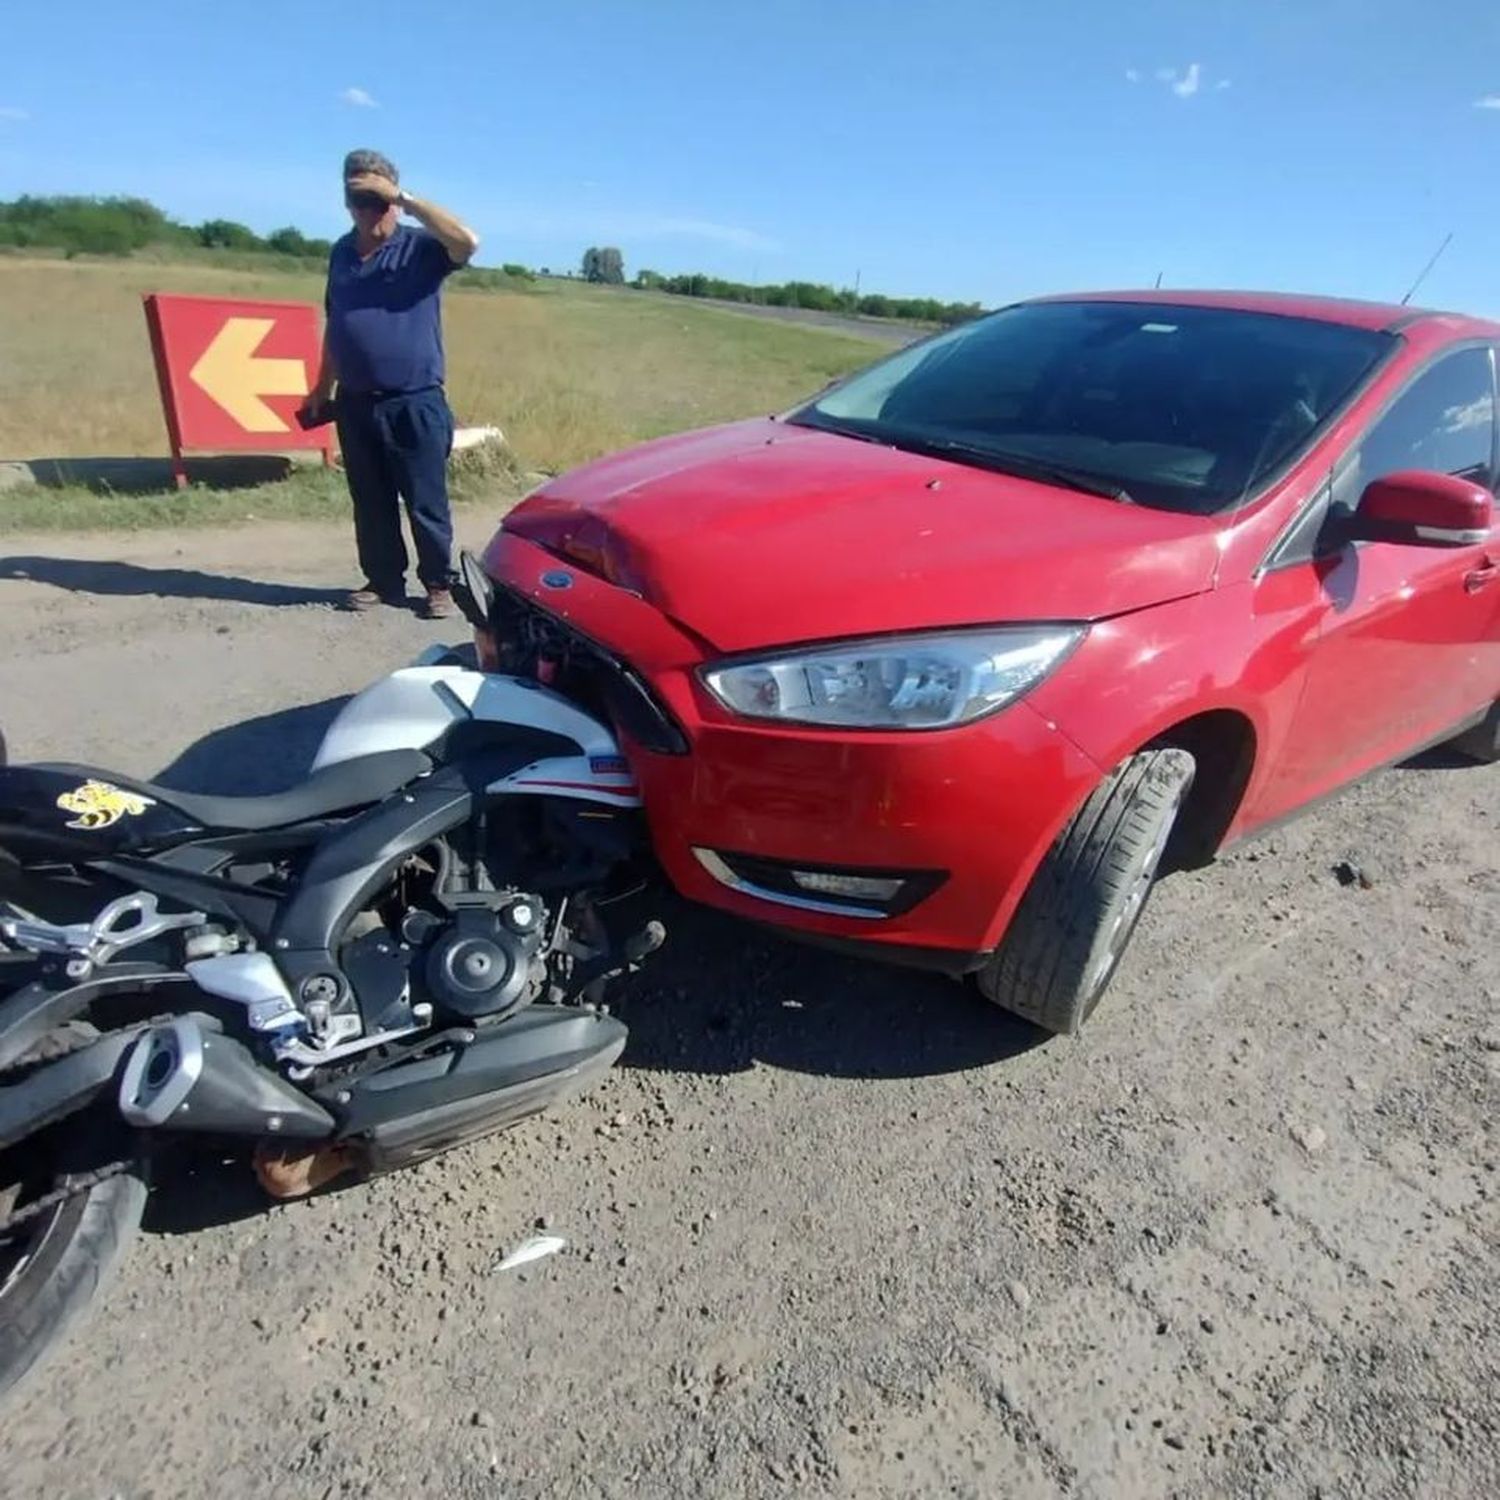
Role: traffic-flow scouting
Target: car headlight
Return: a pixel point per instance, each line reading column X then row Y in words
column 895, row 682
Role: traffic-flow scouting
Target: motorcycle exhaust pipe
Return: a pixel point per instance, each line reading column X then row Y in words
column 182, row 1075
column 414, row 1110
column 524, row 1065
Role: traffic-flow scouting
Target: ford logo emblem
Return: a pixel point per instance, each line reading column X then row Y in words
column 557, row 579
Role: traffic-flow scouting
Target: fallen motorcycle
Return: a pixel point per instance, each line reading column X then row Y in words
column 407, row 951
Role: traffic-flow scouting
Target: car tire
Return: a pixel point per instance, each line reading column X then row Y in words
column 1077, row 917
column 1482, row 742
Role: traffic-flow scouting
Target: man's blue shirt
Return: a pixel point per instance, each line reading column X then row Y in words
column 384, row 325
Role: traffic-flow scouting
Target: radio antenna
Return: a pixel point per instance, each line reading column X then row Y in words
column 1425, row 269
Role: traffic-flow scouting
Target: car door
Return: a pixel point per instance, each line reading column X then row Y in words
column 1407, row 637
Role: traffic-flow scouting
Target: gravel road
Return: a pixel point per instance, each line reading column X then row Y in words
column 833, row 1230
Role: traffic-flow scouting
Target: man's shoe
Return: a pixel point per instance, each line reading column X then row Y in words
column 439, row 605
column 368, row 597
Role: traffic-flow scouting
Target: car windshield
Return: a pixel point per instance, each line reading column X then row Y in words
column 1183, row 408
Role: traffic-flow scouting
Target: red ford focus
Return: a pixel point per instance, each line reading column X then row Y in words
column 945, row 662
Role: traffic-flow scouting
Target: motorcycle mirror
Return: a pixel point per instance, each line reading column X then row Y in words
column 473, row 592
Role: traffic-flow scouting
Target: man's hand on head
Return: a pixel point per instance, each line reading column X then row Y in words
column 374, row 183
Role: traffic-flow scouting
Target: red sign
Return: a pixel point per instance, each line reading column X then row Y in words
column 232, row 374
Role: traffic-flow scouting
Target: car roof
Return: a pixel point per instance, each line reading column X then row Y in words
column 1348, row 311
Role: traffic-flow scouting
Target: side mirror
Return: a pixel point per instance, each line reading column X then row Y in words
column 1424, row 509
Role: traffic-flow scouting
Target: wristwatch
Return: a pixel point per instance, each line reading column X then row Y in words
column 403, row 198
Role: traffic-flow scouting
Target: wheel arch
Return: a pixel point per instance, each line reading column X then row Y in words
column 1224, row 745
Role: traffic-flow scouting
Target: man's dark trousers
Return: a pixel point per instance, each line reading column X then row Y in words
column 398, row 443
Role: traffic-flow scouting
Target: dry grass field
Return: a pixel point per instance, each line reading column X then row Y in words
column 566, row 371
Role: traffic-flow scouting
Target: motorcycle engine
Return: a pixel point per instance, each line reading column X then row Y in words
column 487, row 961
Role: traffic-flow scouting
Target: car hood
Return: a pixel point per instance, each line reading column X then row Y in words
column 763, row 534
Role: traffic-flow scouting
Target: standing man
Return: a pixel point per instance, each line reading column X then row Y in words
column 383, row 348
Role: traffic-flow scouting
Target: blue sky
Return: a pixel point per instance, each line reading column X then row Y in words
column 954, row 148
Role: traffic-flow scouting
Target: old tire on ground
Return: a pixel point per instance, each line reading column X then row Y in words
column 1482, row 742
column 1078, row 914
column 53, row 1266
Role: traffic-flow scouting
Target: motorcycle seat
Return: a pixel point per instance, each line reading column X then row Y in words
column 338, row 788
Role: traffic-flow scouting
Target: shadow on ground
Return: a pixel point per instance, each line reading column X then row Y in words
column 194, row 1189
column 723, row 995
column 1439, row 758
column 128, row 476
column 266, row 754
column 119, row 579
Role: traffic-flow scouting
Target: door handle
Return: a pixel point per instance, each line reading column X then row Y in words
column 1476, row 578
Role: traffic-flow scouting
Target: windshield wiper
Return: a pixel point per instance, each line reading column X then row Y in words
column 975, row 453
column 837, row 429
column 1015, row 463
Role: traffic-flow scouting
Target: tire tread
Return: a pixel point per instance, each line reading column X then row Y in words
column 1040, row 968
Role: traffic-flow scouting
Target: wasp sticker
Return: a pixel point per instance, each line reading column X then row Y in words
column 98, row 805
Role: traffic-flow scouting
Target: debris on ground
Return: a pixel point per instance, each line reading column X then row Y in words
column 535, row 1248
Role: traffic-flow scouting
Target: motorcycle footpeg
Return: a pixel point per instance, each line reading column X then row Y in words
column 633, row 952
column 639, row 946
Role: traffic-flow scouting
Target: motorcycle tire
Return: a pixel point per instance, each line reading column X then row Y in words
column 53, row 1267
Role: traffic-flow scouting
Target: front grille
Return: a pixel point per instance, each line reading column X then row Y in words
column 533, row 643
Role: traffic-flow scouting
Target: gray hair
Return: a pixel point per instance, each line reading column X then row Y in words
column 370, row 161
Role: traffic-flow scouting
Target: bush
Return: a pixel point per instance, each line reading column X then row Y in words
column 225, row 234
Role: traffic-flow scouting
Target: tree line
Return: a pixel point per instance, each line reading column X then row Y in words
column 119, row 226
column 605, row 265
column 123, row 225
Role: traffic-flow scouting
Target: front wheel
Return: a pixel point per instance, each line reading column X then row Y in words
column 1080, row 911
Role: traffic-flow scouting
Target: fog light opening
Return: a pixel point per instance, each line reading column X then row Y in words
column 881, row 888
column 870, row 894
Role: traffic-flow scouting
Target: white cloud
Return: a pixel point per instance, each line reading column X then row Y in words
column 359, row 98
column 1489, row 101
column 1479, row 412
column 1184, row 84
column 10, row 112
column 1132, row 75
column 1189, row 83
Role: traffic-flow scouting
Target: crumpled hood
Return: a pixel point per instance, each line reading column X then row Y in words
column 762, row 534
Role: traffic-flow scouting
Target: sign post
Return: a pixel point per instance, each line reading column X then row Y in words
column 232, row 374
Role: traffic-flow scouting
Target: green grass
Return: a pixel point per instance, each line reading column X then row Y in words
column 479, row 476
column 566, row 371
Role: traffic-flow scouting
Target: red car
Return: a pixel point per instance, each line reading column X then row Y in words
column 942, row 663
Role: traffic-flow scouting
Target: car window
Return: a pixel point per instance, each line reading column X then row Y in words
column 1443, row 422
column 1187, row 408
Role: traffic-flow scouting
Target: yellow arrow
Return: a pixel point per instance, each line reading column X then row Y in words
column 229, row 373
